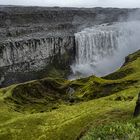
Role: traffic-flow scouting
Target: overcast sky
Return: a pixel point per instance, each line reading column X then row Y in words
column 75, row 3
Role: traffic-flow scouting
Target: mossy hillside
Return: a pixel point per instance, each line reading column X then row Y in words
column 48, row 94
column 68, row 121
column 36, row 96
column 51, row 93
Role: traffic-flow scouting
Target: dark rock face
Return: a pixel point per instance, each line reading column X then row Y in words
column 31, row 59
column 33, row 39
column 137, row 108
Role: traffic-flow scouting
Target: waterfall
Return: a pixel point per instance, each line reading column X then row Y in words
column 101, row 49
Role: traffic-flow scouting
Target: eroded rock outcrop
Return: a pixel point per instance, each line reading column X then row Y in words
column 137, row 108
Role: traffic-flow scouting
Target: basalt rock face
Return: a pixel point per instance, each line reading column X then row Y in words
column 33, row 39
column 24, row 60
column 33, row 50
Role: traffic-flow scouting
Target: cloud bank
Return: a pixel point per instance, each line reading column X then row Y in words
column 75, row 3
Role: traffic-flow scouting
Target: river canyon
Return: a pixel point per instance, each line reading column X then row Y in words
column 80, row 41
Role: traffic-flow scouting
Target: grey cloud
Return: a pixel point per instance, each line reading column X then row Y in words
column 75, row 3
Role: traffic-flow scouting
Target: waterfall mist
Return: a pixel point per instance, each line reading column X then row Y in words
column 102, row 49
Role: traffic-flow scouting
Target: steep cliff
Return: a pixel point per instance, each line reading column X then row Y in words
column 25, row 59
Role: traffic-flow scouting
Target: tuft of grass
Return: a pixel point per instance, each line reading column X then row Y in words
column 122, row 130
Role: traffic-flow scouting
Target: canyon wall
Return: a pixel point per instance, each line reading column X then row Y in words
column 36, row 40
column 24, row 60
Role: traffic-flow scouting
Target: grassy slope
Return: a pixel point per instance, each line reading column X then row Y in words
column 96, row 102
